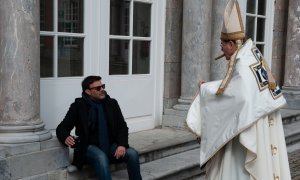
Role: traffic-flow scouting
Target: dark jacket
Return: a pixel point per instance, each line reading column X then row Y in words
column 77, row 116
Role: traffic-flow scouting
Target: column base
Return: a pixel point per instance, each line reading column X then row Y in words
column 184, row 104
column 175, row 117
column 23, row 134
column 292, row 95
column 33, row 161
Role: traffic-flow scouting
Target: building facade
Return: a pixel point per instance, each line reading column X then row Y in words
column 150, row 53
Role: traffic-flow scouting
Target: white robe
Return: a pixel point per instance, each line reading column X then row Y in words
column 241, row 130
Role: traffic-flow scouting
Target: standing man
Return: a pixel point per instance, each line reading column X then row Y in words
column 238, row 118
column 101, row 129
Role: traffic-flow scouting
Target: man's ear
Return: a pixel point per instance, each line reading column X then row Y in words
column 233, row 45
column 88, row 92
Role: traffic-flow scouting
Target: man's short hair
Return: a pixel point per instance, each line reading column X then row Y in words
column 89, row 80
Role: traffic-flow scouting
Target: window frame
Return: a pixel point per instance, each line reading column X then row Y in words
column 56, row 34
column 130, row 37
column 269, row 24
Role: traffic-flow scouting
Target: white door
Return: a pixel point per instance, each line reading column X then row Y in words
column 122, row 41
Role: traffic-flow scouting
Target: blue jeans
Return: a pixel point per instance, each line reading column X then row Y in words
column 100, row 161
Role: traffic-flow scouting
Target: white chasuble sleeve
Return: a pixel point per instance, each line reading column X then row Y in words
column 193, row 119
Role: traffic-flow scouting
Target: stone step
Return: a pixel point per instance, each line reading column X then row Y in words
column 32, row 161
column 158, row 143
column 292, row 132
column 179, row 166
column 175, row 118
column 164, row 154
column 152, row 145
column 290, row 115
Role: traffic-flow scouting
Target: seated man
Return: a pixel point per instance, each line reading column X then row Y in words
column 101, row 130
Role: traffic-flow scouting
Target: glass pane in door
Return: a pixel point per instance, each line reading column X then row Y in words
column 119, row 17
column 70, row 16
column 142, row 19
column 46, row 56
column 261, row 7
column 70, row 56
column 260, row 35
column 46, row 15
column 251, row 6
column 141, row 57
column 118, row 56
column 250, row 26
column 261, row 48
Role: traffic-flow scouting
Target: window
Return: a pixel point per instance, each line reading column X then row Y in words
column 130, row 37
column 61, row 38
column 256, row 18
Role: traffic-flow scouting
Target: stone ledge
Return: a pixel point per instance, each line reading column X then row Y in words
column 34, row 163
column 23, row 148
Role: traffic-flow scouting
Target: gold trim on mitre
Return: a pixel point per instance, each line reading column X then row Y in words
column 233, row 28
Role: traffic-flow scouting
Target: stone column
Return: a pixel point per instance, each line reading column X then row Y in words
column 196, row 45
column 217, row 68
column 20, row 73
column 291, row 86
column 172, row 65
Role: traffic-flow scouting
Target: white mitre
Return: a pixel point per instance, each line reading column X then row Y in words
column 233, row 28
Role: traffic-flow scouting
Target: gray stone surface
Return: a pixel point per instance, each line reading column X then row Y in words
column 196, row 45
column 279, row 40
column 217, row 68
column 19, row 71
column 33, row 163
column 294, row 160
column 149, row 140
column 174, row 121
column 292, row 64
column 172, row 81
column 292, row 95
column 172, row 66
column 171, row 165
column 291, row 86
column 292, row 132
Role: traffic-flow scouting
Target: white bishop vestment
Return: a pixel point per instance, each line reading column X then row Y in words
column 241, row 130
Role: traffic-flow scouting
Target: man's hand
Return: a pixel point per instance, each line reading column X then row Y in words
column 70, row 141
column 200, row 82
column 120, row 152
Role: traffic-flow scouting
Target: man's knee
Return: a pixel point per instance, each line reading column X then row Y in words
column 132, row 153
column 102, row 160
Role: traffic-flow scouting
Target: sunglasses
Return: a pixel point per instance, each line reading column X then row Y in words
column 98, row 88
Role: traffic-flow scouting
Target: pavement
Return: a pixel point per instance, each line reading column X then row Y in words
column 294, row 149
column 294, row 160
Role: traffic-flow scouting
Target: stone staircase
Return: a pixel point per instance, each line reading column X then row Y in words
column 170, row 153
column 165, row 153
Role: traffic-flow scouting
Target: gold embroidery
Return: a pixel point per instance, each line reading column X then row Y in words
column 276, row 177
column 263, row 75
column 258, row 70
column 271, row 122
column 273, row 149
column 230, row 69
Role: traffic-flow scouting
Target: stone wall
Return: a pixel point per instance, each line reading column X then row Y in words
column 279, row 39
column 173, row 38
